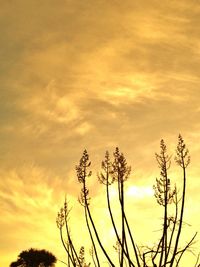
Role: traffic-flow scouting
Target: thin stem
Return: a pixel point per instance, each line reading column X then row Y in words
column 94, row 228
column 66, row 249
column 91, row 237
column 181, row 214
column 174, row 225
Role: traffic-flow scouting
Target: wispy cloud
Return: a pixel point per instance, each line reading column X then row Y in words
column 78, row 75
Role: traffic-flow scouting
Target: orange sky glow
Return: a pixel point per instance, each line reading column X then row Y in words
column 94, row 75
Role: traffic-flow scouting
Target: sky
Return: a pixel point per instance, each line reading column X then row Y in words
column 93, row 75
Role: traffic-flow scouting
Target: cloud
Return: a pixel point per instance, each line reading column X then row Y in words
column 30, row 199
column 78, row 75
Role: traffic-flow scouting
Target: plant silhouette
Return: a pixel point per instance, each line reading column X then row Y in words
column 34, row 258
column 168, row 250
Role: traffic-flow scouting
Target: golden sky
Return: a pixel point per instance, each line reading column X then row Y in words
column 92, row 74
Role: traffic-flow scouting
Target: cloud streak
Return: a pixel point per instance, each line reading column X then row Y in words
column 78, row 75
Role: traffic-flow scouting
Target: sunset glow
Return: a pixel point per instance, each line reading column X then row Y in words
column 94, row 75
column 140, row 192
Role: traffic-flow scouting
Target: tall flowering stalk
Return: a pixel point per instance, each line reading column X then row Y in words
column 167, row 252
column 61, row 221
column 164, row 196
column 182, row 159
column 82, row 175
column 118, row 172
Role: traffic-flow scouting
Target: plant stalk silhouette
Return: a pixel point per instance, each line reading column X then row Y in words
column 167, row 251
